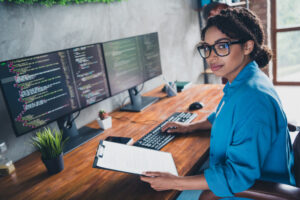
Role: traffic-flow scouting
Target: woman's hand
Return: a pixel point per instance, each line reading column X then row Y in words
column 160, row 181
column 175, row 127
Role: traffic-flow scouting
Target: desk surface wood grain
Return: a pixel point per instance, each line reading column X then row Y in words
column 80, row 181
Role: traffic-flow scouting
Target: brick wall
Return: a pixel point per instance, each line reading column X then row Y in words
column 260, row 8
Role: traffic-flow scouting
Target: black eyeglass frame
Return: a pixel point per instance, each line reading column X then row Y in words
column 229, row 43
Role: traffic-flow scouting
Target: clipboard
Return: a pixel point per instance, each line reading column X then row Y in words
column 131, row 159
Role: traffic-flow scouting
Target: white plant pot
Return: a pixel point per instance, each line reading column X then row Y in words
column 105, row 124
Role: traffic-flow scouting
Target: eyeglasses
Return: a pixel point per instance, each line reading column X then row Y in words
column 221, row 48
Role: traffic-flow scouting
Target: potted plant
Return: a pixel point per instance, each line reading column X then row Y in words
column 50, row 144
column 104, row 120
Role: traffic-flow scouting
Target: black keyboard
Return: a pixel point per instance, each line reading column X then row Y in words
column 156, row 139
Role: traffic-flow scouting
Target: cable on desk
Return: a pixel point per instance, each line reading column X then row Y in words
column 142, row 87
column 123, row 102
column 70, row 121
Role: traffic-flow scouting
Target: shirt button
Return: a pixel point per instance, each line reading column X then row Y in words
column 212, row 155
column 211, row 136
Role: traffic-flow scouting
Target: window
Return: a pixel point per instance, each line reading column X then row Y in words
column 286, row 42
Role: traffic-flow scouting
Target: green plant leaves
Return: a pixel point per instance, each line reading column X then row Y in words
column 49, row 143
column 50, row 3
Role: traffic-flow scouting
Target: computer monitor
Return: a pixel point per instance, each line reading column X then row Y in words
column 44, row 88
column 130, row 62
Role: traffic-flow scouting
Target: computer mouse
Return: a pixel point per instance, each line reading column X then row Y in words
column 196, row 106
column 163, row 89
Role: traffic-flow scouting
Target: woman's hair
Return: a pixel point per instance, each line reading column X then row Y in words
column 244, row 25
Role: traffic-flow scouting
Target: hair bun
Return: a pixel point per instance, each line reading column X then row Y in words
column 263, row 56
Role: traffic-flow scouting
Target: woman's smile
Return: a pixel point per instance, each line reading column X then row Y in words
column 215, row 67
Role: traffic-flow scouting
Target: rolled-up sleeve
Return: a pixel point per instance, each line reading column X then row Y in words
column 244, row 159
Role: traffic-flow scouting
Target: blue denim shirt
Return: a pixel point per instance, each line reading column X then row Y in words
column 249, row 136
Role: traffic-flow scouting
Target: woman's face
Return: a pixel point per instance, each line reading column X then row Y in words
column 228, row 66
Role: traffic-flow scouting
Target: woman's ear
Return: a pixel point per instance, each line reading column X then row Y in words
column 248, row 47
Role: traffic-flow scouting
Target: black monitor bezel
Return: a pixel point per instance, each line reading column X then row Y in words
column 64, row 114
column 159, row 59
column 144, row 80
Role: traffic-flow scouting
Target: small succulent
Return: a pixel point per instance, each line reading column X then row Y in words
column 102, row 114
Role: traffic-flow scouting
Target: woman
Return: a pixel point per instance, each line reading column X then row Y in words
column 249, row 134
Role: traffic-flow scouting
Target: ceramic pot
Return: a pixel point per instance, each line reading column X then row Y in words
column 105, row 123
column 54, row 165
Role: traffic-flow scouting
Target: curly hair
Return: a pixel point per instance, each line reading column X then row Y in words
column 244, row 25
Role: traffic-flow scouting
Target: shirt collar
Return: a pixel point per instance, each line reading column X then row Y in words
column 244, row 75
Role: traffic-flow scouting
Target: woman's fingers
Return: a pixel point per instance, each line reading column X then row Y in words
column 148, row 176
column 146, row 179
column 168, row 126
column 172, row 127
column 159, row 180
column 173, row 130
column 153, row 174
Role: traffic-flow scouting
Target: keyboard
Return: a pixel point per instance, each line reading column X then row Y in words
column 156, row 139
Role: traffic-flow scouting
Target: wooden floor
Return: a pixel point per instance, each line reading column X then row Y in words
column 80, row 181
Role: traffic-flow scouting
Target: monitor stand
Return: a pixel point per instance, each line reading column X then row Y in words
column 76, row 137
column 138, row 102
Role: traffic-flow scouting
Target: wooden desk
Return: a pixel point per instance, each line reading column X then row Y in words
column 80, row 181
